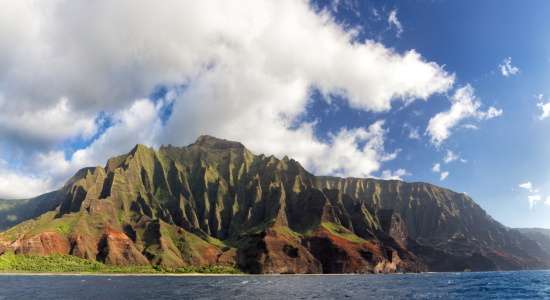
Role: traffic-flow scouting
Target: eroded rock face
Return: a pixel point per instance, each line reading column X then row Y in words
column 83, row 246
column 393, row 225
column 443, row 261
column 445, row 220
column 339, row 256
column 44, row 243
column 115, row 248
column 274, row 253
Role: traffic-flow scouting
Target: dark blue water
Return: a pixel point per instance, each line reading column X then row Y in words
column 484, row 285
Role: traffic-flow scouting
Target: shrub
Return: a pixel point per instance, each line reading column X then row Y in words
column 60, row 263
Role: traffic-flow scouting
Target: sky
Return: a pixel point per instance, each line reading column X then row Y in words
column 453, row 93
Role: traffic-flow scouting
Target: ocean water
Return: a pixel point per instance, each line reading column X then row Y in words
column 475, row 285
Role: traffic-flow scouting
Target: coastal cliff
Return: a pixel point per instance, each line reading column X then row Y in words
column 215, row 203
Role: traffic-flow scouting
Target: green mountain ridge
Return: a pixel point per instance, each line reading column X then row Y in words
column 215, row 203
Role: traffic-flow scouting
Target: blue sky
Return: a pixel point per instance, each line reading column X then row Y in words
column 447, row 92
column 472, row 39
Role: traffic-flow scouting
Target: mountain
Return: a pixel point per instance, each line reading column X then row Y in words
column 447, row 221
column 540, row 235
column 533, row 230
column 13, row 212
column 214, row 202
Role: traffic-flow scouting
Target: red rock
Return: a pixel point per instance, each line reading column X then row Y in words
column 275, row 253
column 210, row 255
column 338, row 255
column 115, row 248
column 83, row 246
column 44, row 243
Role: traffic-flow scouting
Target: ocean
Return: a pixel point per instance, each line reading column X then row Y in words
column 474, row 285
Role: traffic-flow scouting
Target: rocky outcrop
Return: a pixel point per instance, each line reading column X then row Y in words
column 275, row 251
column 340, row 256
column 393, row 225
column 115, row 248
column 44, row 243
column 83, row 246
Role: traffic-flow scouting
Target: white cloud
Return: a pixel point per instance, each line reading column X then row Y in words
column 463, row 160
column 464, row 105
column 247, row 68
column 396, row 175
column 392, row 20
column 53, row 123
column 17, row 185
column 491, row 113
column 413, row 134
column 507, row 68
column 444, row 175
column 436, row 168
column 450, row 157
column 533, row 200
column 351, row 5
column 137, row 123
column 526, row 185
column 545, row 110
column 469, row 126
column 547, row 202
column 375, row 13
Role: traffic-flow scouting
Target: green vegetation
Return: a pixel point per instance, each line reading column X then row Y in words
column 59, row 263
column 342, row 232
column 63, row 228
column 13, row 233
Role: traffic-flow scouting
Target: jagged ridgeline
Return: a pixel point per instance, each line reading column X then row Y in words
column 215, row 203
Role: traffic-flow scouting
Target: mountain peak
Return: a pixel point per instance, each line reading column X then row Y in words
column 208, row 141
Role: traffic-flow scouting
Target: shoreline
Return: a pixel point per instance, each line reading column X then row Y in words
column 118, row 274
column 191, row 274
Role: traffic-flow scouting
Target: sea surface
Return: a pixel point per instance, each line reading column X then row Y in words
column 475, row 285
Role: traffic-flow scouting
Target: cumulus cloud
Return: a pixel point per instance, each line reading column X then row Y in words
column 48, row 124
column 533, row 200
column 491, row 113
column 392, row 20
column 436, row 168
column 547, row 202
column 242, row 71
column 51, row 169
column 450, row 157
column 527, row 185
column 387, row 174
column 506, row 67
column 464, row 105
column 444, row 175
column 545, row 110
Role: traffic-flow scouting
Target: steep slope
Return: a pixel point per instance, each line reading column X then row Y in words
column 540, row 235
column 13, row 212
column 450, row 230
column 214, row 202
